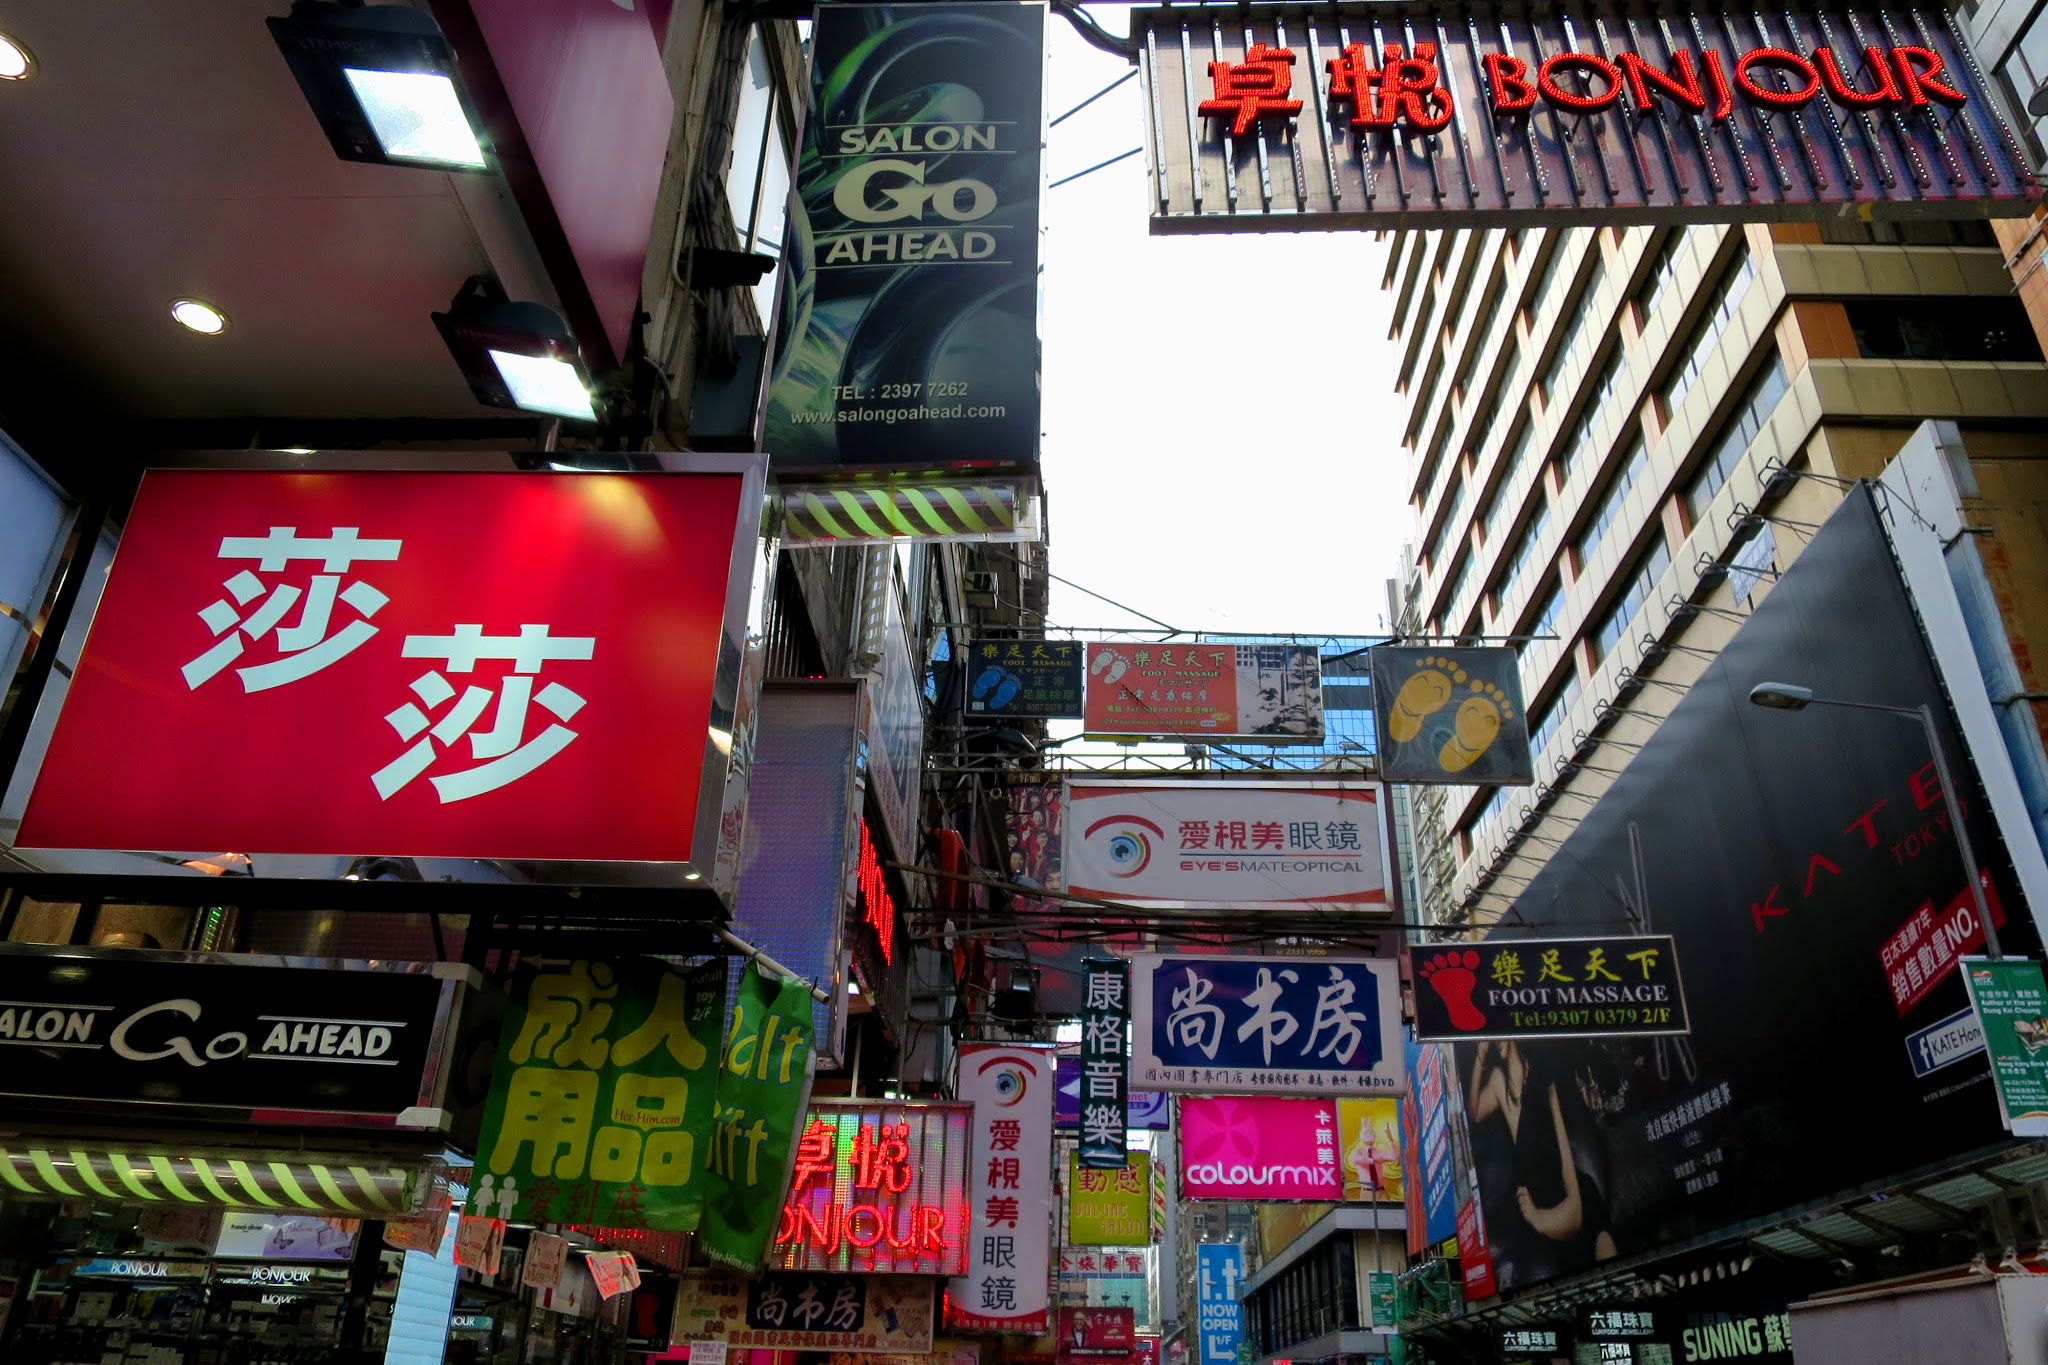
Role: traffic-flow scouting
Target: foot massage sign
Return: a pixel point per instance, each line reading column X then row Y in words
column 1549, row 988
column 1450, row 716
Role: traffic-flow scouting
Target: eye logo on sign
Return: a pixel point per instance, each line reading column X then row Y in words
column 1129, row 850
column 959, row 201
column 1010, row 1081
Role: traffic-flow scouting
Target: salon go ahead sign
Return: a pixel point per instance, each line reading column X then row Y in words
column 1285, row 116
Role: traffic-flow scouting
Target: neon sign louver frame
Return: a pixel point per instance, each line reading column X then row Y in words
column 878, row 1189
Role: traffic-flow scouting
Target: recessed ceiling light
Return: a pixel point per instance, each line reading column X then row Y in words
column 203, row 318
column 15, row 63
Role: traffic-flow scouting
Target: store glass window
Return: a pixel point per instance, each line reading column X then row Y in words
column 757, row 185
column 1938, row 329
column 34, row 518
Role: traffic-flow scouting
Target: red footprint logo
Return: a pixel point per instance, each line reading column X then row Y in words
column 1451, row 975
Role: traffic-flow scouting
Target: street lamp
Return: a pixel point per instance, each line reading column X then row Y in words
column 1781, row 696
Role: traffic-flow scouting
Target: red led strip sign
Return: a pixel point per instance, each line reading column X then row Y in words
column 878, row 907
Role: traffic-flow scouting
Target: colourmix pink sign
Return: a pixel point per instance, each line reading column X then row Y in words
column 1259, row 1147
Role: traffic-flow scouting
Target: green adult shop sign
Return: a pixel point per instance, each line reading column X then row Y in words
column 2011, row 1000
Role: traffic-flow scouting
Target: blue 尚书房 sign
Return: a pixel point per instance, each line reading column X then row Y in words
column 1266, row 1025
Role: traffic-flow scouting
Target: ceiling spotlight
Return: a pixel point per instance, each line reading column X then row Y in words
column 15, row 63
column 199, row 316
column 384, row 84
column 516, row 355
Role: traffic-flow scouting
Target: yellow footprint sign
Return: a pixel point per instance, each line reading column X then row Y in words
column 1450, row 715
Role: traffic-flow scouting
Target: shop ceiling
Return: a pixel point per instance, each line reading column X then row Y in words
column 164, row 151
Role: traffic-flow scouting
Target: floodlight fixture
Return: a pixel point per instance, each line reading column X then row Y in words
column 384, row 84
column 516, row 355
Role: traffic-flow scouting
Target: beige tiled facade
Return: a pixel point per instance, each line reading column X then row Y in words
column 1531, row 365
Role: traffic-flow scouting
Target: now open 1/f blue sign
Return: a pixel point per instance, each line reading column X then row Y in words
column 1219, row 1272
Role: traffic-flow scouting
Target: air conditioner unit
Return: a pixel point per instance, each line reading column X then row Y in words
column 981, row 584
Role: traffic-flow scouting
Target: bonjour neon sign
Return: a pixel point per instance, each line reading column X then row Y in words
column 1399, row 85
column 860, row 1196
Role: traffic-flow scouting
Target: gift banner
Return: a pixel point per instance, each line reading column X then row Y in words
column 763, row 1082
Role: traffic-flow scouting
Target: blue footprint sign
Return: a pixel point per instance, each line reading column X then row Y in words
column 1450, row 716
column 1031, row 679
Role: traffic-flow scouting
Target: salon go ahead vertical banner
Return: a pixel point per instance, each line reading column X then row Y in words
column 908, row 329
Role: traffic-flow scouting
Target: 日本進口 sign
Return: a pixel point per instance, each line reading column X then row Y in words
column 878, row 1188
column 387, row 663
column 1271, row 1025
column 1253, row 694
column 1428, row 115
column 1549, row 988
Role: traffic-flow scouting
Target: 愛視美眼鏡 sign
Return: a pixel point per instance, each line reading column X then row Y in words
column 1429, row 115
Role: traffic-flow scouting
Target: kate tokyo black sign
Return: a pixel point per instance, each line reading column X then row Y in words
column 1548, row 988
column 112, row 1028
column 1284, row 117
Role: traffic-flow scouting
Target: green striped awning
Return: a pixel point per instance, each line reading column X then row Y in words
column 842, row 513
column 337, row 1184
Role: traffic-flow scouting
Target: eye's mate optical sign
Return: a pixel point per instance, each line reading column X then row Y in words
column 1281, row 117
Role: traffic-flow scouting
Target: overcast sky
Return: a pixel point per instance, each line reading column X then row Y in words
column 1221, row 429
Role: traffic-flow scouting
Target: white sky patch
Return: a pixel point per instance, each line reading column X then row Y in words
column 1222, row 437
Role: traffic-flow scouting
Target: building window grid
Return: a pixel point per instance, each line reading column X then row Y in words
column 1479, row 335
column 1706, row 333
column 1733, row 439
column 1454, row 589
column 1662, row 275
column 1523, row 556
column 1551, row 717
column 1634, row 466
column 1642, row 581
column 1454, row 503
